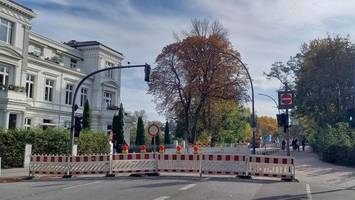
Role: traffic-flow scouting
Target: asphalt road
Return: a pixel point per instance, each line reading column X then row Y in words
column 169, row 187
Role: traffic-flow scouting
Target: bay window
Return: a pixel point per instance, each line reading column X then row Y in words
column 6, row 30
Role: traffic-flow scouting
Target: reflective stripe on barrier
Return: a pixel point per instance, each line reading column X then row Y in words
column 134, row 163
column 224, row 164
column 271, row 166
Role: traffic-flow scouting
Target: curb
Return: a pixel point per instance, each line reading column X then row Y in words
column 14, row 179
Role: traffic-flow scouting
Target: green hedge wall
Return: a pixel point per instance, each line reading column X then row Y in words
column 50, row 141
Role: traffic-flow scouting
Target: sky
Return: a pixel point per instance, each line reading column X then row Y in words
column 263, row 31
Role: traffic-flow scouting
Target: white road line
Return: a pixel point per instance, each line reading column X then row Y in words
column 74, row 186
column 308, row 190
column 162, row 198
column 187, row 187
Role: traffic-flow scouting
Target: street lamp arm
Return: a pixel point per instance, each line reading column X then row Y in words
column 271, row 99
column 252, row 98
column 77, row 90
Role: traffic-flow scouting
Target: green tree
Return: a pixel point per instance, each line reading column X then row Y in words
column 117, row 127
column 325, row 80
column 86, row 116
column 140, row 137
column 167, row 133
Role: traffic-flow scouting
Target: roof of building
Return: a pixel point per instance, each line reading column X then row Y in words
column 22, row 6
column 75, row 44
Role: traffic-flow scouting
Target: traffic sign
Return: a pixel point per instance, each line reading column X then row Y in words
column 286, row 99
column 153, row 130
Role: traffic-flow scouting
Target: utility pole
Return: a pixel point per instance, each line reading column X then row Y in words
column 286, row 131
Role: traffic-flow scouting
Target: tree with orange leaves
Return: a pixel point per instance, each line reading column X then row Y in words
column 194, row 72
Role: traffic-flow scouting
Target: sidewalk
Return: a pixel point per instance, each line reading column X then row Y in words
column 310, row 169
column 13, row 172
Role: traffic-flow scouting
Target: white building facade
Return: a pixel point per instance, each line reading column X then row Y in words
column 38, row 75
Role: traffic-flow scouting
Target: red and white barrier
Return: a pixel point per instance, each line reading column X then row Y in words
column 227, row 164
column 90, row 164
column 48, row 164
column 189, row 163
column 224, row 164
column 271, row 166
column 134, row 163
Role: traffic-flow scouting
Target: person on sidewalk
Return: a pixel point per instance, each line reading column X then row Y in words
column 283, row 145
column 303, row 144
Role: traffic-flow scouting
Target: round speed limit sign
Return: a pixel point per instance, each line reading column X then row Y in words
column 153, row 130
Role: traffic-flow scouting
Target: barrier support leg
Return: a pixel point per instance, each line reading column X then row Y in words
column 110, row 174
column 246, row 174
column 67, row 175
column 200, row 167
column 156, row 169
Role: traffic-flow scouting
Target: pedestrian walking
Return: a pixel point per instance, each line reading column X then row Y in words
column 303, row 144
column 283, row 145
column 297, row 145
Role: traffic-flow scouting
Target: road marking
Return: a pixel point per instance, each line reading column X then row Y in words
column 308, row 190
column 162, row 198
column 74, row 186
column 187, row 187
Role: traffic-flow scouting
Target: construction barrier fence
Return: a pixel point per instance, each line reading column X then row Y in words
column 140, row 163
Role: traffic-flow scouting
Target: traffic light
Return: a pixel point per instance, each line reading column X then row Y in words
column 282, row 119
column 146, row 72
column 77, row 126
column 351, row 117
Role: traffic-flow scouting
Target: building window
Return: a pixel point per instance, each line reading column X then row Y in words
column 48, row 90
column 73, row 63
column 69, row 94
column 84, row 96
column 30, row 79
column 108, row 98
column 37, row 51
column 109, row 73
column 4, row 75
column 28, row 122
column 6, row 28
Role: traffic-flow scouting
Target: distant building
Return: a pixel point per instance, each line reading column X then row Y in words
column 38, row 75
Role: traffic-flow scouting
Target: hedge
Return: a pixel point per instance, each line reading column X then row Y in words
column 334, row 144
column 49, row 141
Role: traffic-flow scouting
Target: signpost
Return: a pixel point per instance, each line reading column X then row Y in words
column 286, row 101
column 153, row 131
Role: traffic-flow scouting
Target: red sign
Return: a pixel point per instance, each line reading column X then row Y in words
column 286, row 99
column 153, row 130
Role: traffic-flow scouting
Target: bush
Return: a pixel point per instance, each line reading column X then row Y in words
column 49, row 141
column 91, row 142
column 334, row 144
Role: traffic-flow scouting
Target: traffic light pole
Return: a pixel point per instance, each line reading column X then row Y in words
column 74, row 107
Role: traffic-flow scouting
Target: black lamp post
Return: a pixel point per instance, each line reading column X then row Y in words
column 252, row 100
column 75, row 107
